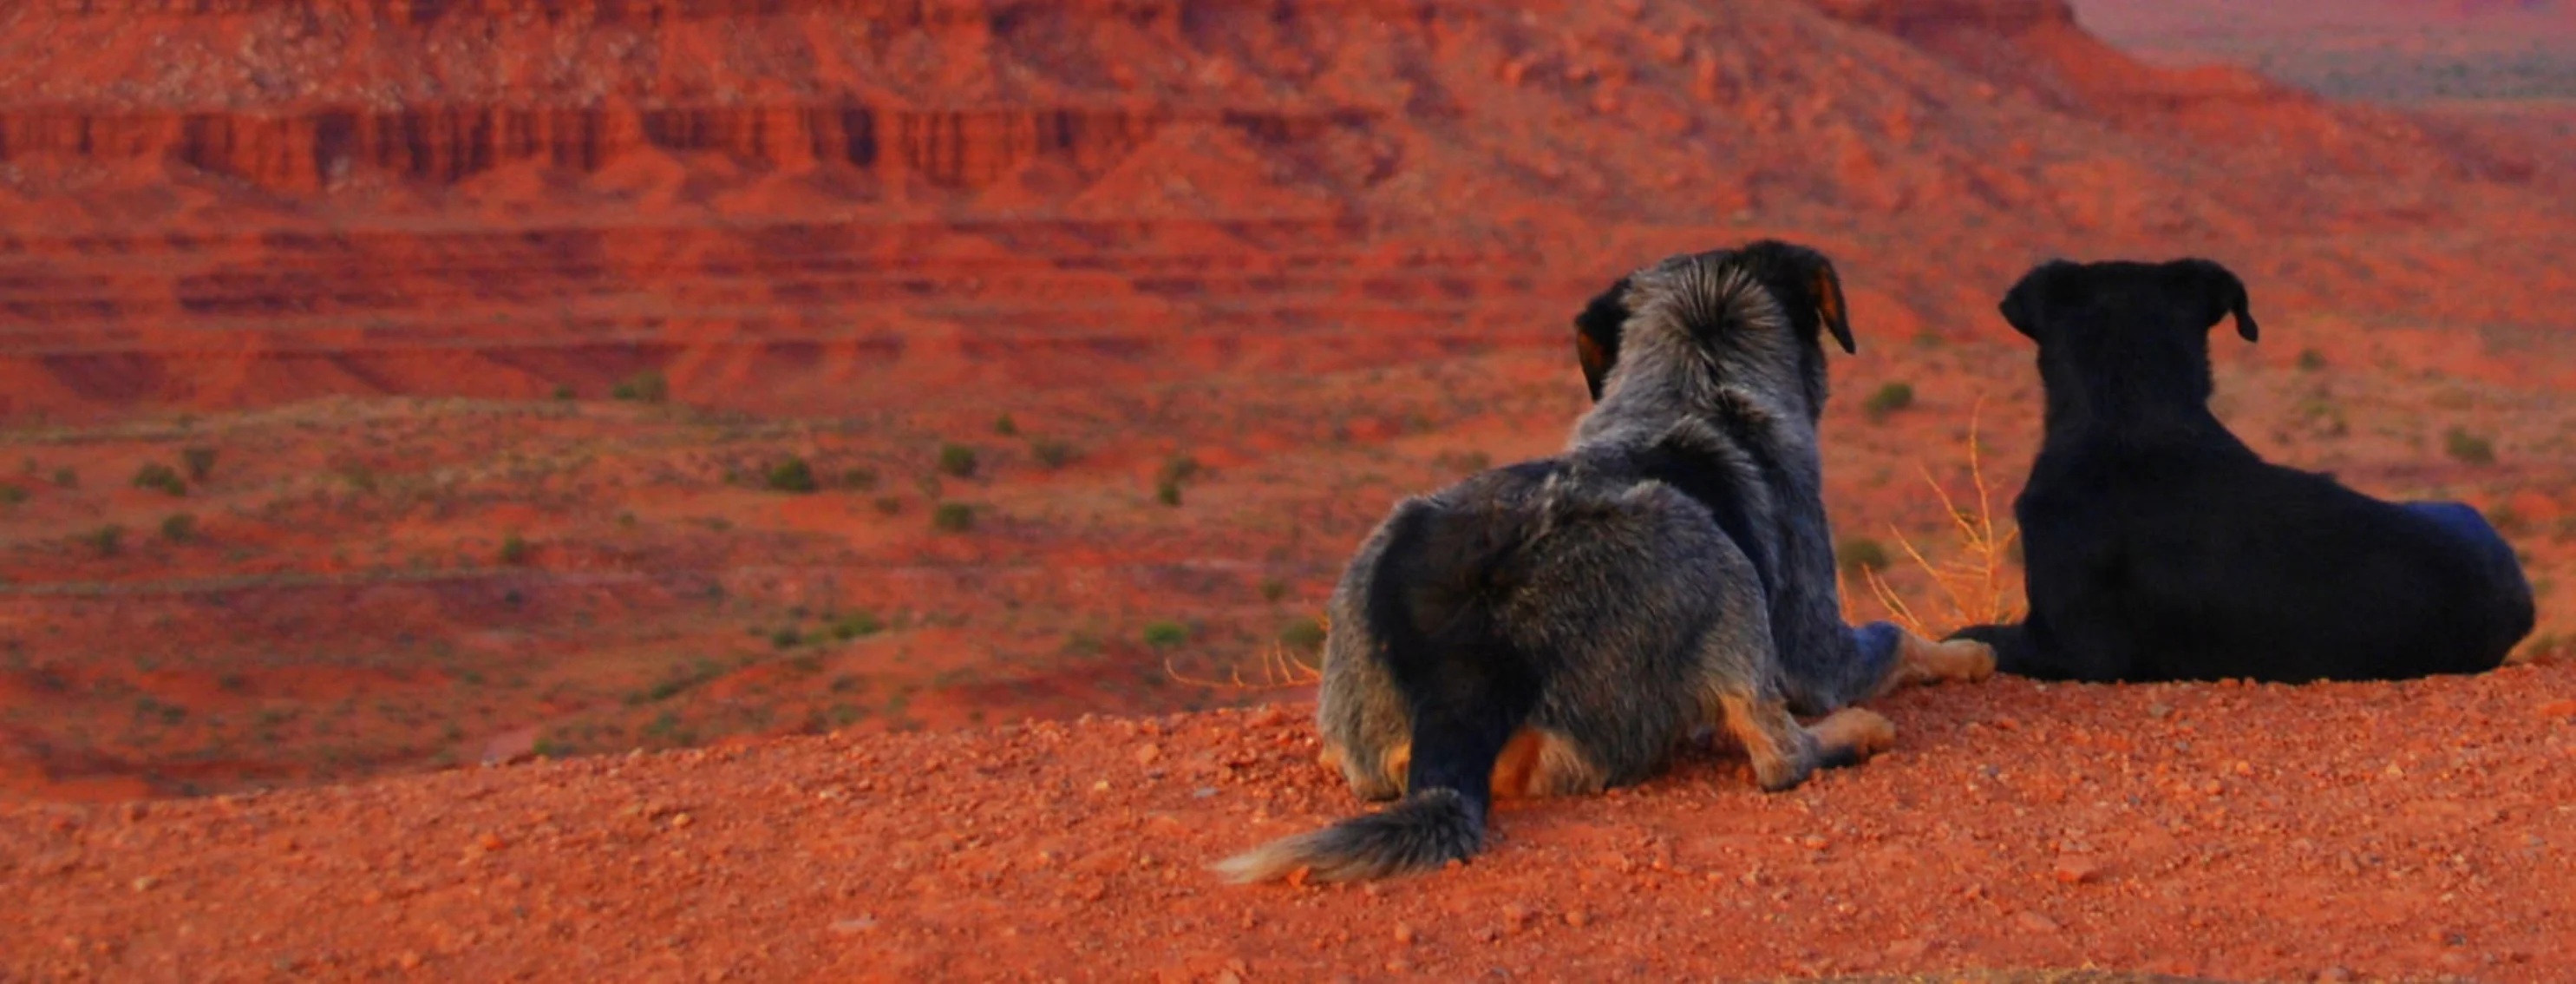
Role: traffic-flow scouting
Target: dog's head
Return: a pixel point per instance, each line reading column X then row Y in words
column 2144, row 322
column 1762, row 308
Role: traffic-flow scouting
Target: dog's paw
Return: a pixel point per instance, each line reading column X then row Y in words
column 1854, row 734
column 1959, row 660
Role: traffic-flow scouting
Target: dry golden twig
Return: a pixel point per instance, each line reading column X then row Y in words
column 1279, row 669
column 1979, row 586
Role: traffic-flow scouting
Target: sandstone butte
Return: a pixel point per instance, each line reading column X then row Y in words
column 322, row 224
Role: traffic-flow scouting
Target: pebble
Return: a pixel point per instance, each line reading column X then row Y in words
column 2077, row 870
column 2035, row 924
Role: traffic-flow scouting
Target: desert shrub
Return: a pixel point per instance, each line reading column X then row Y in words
column 107, row 540
column 786, row 638
column 1889, row 399
column 1167, row 491
column 1273, row 589
column 792, row 475
column 1006, row 427
column 161, row 477
column 643, row 387
column 889, row 505
column 2311, row 360
column 1303, row 635
column 856, row 625
column 514, row 549
column 1051, row 453
column 953, row 517
column 179, row 527
column 66, row 478
column 2468, row 448
column 859, row 479
column 1165, row 635
column 200, row 463
column 12, row 495
column 956, row 460
column 1858, row 555
column 1181, row 468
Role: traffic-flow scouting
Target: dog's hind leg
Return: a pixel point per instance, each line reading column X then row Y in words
column 1542, row 762
column 1785, row 753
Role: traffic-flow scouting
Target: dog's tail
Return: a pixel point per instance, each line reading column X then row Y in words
column 1433, row 604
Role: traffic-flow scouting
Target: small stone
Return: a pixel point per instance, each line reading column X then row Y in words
column 2558, row 708
column 1576, row 918
column 1146, row 754
column 682, row 820
column 490, row 842
column 861, row 924
column 1100, row 787
column 2035, row 924
column 1908, row 949
column 1404, row 934
column 2077, row 870
column 409, row 960
column 2334, row 974
column 145, row 883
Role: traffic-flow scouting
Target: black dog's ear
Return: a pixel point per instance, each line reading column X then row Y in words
column 2224, row 293
column 1596, row 334
column 2025, row 306
column 1813, row 275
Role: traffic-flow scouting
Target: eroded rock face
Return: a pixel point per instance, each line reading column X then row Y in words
column 224, row 202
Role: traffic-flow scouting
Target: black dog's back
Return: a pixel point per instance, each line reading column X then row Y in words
column 2160, row 547
column 2183, row 564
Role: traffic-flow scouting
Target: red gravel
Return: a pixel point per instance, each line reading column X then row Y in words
column 2246, row 832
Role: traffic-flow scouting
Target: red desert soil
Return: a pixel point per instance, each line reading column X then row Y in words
column 2334, row 832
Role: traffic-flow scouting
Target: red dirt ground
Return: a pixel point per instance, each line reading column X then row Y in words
column 2336, row 832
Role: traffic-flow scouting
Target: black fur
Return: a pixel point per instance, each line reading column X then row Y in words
column 2160, row 547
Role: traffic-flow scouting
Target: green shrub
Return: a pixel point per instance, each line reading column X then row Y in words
column 1052, row 454
column 793, row 475
column 957, row 460
column 1165, row 635
column 1889, row 399
column 953, row 517
column 1860, row 555
column 179, row 527
column 856, row 625
column 1006, row 426
column 107, row 540
column 644, row 387
column 1303, row 635
column 66, row 478
column 161, row 477
column 200, row 463
column 514, row 549
column 12, row 495
column 1167, row 492
column 1273, row 589
column 2468, row 448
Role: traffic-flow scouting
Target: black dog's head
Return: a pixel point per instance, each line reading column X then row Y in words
column 1801, row 280
column 2137, row 327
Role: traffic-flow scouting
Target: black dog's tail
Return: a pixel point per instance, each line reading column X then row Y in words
column 1432, row 604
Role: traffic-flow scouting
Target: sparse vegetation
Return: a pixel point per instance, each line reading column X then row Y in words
column 1167, row 484
column 1888, row 400
column 859, row 479
column 956, row 460
column 1006, row 427
column 856, row 625
column 563, row 392
column 179, row 527
column 1273, row 589
column 643, row 387
column 199, row 461
column 161, row 477
column 889, row 505
column 2468, row 448
column 66, row 478
column 1165, row 635
column 1304, row 635
column 2311, row 360
column 107, row 540
column 11, row 495
column 953, row 517
column 1860, row 555
column 1051, row 453
column 1167, row 491
column 792, row 475
column 1977, row 584
column 514, row 550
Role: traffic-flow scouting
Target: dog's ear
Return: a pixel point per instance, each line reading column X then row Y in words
column 2221, row 291
column 2025, row 307
column 1596, row 334
column 1816, row 284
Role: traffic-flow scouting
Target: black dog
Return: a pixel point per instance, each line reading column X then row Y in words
column 2160, row 547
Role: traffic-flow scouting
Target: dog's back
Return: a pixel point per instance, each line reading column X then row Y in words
column 2160, row 547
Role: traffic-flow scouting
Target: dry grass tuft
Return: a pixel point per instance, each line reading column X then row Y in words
column 1277, row 669
column 1977, row 583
